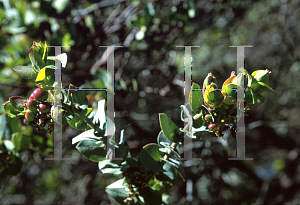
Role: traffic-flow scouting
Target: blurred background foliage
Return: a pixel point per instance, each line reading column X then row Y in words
column 149, row 79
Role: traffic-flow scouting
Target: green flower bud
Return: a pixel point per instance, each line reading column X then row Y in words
column 29, row 115
column 213, row 98
column 40, row 95
column 31, row 105
column 208, row 117
column 229, row 90
column 26, row 122
column 44, row 107
column 208, row 80
column 213, row 127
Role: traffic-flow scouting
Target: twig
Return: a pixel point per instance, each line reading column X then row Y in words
column 81, row 13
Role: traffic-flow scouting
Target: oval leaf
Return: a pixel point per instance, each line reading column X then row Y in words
column 178, row 166
column 151, row 156
column 93, row 150
column 196, row 98
column 45, row 76
column 161, row 138
column 10, row 110
column 26, row 72
column 169, row 128
column 118, row 191
column 17, row 102
column 261, row 75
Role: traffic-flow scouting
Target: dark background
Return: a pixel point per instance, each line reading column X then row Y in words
column 149, row 79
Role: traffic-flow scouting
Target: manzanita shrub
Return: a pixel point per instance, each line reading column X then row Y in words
column 147, row 178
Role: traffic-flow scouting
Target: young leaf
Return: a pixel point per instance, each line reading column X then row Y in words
column 261, row 75
column 45, row 76
column 10, row 110
column 26, row 72
column 196, row 98
column 36, row 54
column 260, row 87
column 17, row 102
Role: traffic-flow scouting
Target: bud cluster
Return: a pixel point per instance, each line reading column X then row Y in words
column 216, row 109
column 38, row 110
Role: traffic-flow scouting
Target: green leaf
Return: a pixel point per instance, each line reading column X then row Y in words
column 161, row 138
column 10, row 110
column 169, row 128
column 168, row 173
column 20, row 141
column 46, row 76
column 37, row 54
column 214, row 98
column 17, row 102
column 177, row 165
column 260, row 87
column 92, row 149
column 26, row 72
column 88, row 111
column 196, row 98
column 151, row 156
column 150, row 196
column 261, row 75
column 250, row 96
column 230, row 93
column 87, row 135
column 78, row 97
column 118, row 191
column 82, row 114
column 107, row 167
column 76, row 123
column 198, row 133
